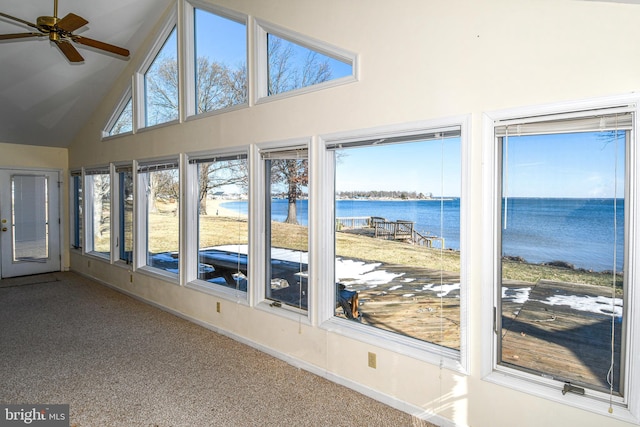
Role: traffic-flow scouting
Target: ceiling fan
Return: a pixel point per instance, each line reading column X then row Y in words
column 60, row 31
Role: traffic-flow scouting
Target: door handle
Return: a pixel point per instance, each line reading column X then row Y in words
column 4, row 228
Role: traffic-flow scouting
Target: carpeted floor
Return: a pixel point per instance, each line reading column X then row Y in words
column 119, row 362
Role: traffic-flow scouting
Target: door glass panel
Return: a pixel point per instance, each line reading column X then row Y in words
column 29, row 202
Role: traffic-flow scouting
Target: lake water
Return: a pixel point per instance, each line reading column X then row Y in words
column 577, row 231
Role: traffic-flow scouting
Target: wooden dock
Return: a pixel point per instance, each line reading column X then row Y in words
column 381, row 228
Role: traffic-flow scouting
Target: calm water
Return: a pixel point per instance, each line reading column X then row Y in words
column 577, row 231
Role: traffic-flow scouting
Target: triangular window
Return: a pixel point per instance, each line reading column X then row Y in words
column 124, row 121
column 291, row 62
column 161, row 83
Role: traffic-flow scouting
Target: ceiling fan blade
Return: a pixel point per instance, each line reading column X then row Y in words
column 22, row 21
column 71, row 22
column 101, row 45
column 69, row 51
column 19, row 36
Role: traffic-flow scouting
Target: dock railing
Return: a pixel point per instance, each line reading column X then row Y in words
column 381, row 228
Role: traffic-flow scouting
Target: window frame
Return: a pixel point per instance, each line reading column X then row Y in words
column 139, row 91
column 140, row 212
column 257, row 239
column 261, row 61
column 429, row 352
column 88, row 202
column 126, row 97
column 119, row 212
column 192, row 228
column 188, row 58
column 76, row 210
column 626, row 408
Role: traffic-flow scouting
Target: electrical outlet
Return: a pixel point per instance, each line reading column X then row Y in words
column 218, row 306
column 372, row 360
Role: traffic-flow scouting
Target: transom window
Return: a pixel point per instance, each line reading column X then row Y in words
column 220, row 47
column 161, row 84
column 289, row 62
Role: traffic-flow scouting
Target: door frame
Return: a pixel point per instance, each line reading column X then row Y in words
column 57, row 210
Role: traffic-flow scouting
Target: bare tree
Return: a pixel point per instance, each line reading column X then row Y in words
column 294, row 173
column 219, row 86
column 220, row 174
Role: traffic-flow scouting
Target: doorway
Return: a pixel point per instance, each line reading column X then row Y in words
column 29, row 222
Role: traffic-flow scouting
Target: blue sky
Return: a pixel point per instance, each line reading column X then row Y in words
column 424, row 167
column 579, row 165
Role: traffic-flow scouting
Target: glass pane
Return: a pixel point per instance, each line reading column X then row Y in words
column 288, row 234
column 398, row 238
column 101, row 186
column 125, row 121
column 30, row 199
column 162, row 218
column 221, row 55
column 161, row 84
column 563, row 219
column 126, row 216
column 222, row 223
column 292, row 66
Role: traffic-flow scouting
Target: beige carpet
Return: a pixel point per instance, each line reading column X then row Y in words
column 119, row 362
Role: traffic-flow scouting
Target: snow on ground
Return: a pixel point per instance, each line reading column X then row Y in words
column 591, row 304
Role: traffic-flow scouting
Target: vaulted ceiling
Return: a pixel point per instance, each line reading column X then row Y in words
column 45, row 99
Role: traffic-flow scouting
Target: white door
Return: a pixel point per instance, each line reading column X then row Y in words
column 29, row 222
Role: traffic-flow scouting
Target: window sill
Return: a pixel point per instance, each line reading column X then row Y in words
column 286, row 311
column 220, row 291
column 172, row 278
column 420, row 350
column 552, row 390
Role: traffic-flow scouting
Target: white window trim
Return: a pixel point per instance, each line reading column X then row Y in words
column 451, row 359
column 88, row 213
column 140, row 224
column 72, row 217
column 257, row 237
column 117, row 214
column 261, row 60
column 139, row 102
column 117, row 112
column 191, row 230
column 627, row 408
column 188, row 57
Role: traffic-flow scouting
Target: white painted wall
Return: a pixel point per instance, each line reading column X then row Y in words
column 420, row 60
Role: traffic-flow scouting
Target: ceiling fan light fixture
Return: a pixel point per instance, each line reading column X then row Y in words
column 60, row 31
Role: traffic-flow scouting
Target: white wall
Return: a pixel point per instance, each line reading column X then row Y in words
column 420, row 60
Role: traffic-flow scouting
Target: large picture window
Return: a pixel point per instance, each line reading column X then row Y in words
column 223, row 208
column 161, row 213
column 286, row 223
column 563, row 217
column 397, row 234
